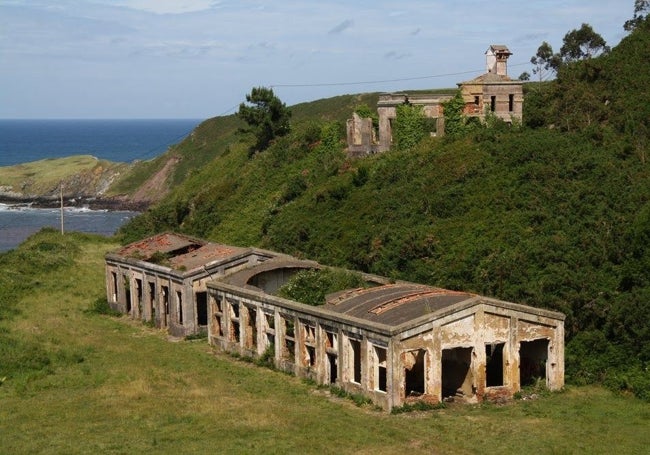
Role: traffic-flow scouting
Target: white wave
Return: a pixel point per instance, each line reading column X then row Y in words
column 15, row 207
column 83, row 209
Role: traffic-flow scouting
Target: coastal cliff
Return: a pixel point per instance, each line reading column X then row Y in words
column 83, row 180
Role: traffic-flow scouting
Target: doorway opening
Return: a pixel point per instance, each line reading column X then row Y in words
column 532, row 361
column 494, row 364
column 456, row 372
column 414, row 368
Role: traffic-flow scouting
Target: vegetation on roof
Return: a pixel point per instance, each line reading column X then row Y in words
column 312, row 286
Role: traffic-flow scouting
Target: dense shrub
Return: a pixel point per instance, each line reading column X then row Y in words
column 312, row 286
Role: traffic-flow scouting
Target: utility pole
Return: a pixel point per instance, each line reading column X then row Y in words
column 61, row 192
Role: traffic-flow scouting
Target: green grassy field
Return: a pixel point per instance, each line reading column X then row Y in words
column 116, row 386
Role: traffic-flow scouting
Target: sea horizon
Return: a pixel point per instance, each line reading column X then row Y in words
column 118, row 140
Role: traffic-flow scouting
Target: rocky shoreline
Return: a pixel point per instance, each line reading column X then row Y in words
column 93, row 203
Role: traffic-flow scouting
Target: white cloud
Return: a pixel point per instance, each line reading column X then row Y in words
column 169, row 6
column 85, row 55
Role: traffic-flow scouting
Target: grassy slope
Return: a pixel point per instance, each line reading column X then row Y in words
column 45, row 176
column 216, row 136
column 120, row 387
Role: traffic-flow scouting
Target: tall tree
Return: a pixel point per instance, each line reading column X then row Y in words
column 266, row 116
column 641, row 10
column 582, row 43
column 544, row 60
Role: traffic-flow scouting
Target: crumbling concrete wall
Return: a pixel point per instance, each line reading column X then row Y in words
column 391, row 367
column 361, row 136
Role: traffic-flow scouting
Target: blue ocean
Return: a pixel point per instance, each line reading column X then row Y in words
column 122, row 141
column 114, row 140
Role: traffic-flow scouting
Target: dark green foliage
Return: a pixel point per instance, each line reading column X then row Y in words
column 364, row 111
column 641, row 10
column 454, row 115
column 357, row 398
column 312, row 286
column 609, row 92
column 409, row 127
column 101, row 306
column 197, row 336
column 266, row 115
column 582, row 43
column 417, row 406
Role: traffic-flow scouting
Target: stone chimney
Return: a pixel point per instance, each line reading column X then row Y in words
column 496, row 59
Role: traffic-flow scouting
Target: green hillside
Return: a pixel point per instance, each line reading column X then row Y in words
column 216, row 136
column 554, row 213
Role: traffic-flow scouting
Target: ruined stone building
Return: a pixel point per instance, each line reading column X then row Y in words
column 163, row 279
column 492, row 93
column 393, row 342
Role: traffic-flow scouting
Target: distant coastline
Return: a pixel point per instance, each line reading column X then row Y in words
column 92, row 203
column 110, row 143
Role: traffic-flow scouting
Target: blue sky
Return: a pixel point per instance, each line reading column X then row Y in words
column 199, row 58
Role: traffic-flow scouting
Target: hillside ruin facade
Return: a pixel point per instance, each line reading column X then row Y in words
column 393, row 342
column 492, row 93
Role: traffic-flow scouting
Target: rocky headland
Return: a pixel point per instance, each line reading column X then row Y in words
column 82, row 181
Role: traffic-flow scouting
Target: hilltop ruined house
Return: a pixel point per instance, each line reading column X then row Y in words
column 492, row 93
column 393, row 342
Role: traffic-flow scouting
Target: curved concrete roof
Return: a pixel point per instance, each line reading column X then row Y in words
column 241, row 278
column 393, row 304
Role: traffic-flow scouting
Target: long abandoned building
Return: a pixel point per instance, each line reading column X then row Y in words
column 492, row 93
column 393, row 342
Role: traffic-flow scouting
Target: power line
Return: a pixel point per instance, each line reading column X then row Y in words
column 384, row 81
column 325, row 84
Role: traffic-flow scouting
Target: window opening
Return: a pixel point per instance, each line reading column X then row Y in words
column 332, row 367
column 152, row 301
column 511, row 102
column 380, row 372
column 494, row 364
column 332, row 342
column 289, row 347
column 127, row 292
column 165, row 308
column 493, row 103
column 202, row 308
column 311, row 356
column 355, row 357
column 114, row 279
column 234, row 322
column 218, row 317
column 309, row 342
column 269, row 328
column 138, row 294
column 179, row 300
column 234, row 331
column 251, row 327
